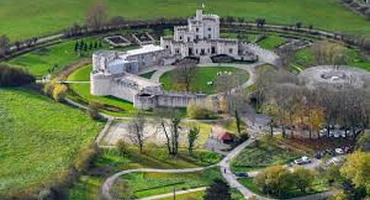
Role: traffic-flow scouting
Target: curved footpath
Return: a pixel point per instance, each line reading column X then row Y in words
column 109, row 182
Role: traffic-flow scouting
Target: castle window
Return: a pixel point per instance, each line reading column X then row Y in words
column 230, row 51
column 188, row 39
column 209, row 36
column 167, row 46
column 209, row 29
column 180, row 37
column 197, row 29
column 197, row 37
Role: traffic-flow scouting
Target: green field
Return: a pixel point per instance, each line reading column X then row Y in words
column 261, row 154
column 39, row 139
column 40, row 17
column 111, row 161
column 162, row 183
column 271, row 42
column 40, row 61
column 304, row 58
column 204, row 75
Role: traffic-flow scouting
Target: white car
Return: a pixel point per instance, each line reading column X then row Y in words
column 339, row 151
column 302, row 161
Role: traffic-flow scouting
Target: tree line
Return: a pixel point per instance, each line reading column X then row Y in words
column 12, row 76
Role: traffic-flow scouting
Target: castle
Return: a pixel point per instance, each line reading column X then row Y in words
column 201, row 37
column 114, row 72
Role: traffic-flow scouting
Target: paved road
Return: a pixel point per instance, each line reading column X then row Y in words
column 230, row 177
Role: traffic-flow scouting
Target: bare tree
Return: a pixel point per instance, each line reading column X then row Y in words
column 193, row 135
column 96, row 16
column 236, row 103
column 169, row 122
column 136, row 131
column 4, row 45
column 328, row 53
column 185, row 73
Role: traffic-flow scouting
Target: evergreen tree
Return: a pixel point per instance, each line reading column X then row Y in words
column 85, row 47
column 100, row 44
column 219, row 190
column 95, row 44
column 90, row 45
column 76, row 46
column 82, row 45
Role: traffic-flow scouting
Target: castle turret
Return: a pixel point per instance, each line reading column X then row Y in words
column 199, row 14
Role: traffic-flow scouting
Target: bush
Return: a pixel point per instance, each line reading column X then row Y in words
column 196, row 111
column 11, row 76
column 85, row 158
column 94, row 109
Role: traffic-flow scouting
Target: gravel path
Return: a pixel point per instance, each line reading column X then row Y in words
column 177, row 193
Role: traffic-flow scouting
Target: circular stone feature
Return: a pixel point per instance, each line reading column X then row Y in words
column 334, row 76
column 205, row 75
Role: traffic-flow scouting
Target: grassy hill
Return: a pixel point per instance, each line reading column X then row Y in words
column 23, row 18
column 39, row 139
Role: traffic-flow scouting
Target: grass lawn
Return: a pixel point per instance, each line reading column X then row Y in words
column 39, row 138
column 204, row 75
column 271, row 42
column 42, row 16
column 39, row 62
column 318, row 186
column 246, row 36
column 261, row 154
column 304, row 58
column 81, row 93
column 188, row 196
column 110, row 161
column 148, row 75
column 162, row 183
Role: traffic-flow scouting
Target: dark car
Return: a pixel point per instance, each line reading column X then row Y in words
column 241, row 174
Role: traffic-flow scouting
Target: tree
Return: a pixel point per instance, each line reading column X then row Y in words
column 315, row 119
column 329, row 53
column 274, row 180
column 303, row 178
column 4, row 45
column 274, row 112
column 136, row 131
column 59, row 91
column 193, row 135
column 185, row 73
column 218, row 190
column 197, row 111
column 12, row 76
column 363, row 143
column 365, row 43
column 357, row 169
column 76, row 46
column 169, row 121
column 236, row 103
column 96, row 16
column 94, row 109
column 121, row 146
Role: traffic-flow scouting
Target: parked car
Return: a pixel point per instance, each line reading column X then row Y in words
column 241, row 174
column 302, row 161
column 339, row 151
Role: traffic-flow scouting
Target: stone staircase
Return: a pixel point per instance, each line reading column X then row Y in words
column 204, row 60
